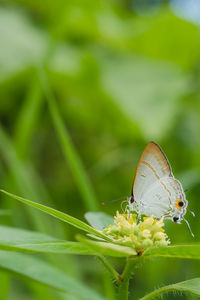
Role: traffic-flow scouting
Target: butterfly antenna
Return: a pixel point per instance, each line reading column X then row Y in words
column 191, row 212
column 188, row 225
column 115, row 200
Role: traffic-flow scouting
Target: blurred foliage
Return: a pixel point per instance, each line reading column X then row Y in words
column 122, row 74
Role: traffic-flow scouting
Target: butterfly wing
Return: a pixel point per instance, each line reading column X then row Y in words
column 153, row 166
column 152, row 203
column 163, row 198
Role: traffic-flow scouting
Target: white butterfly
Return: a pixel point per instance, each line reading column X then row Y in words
column 155, row 191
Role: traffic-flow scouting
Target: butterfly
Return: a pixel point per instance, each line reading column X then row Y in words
column 155, row 191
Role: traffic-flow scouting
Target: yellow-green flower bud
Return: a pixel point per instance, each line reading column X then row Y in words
column 140, row 235
column 147, row 243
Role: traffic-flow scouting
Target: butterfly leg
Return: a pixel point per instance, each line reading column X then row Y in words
column 139, row 216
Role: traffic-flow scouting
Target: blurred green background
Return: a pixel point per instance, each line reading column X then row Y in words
column 123, row 73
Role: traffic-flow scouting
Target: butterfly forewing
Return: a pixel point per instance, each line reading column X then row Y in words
column 153, row 166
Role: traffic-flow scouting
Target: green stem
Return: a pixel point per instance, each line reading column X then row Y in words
column 125, row 278
column 109, row 267
column 123, row 290
column 71, row 155
column 160, row 291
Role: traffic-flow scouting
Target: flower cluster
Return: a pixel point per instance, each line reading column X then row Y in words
column 141, row 235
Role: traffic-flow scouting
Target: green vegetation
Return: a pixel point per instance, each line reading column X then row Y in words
column 105, row 247
column 84, row 86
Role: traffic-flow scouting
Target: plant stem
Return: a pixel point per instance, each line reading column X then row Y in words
column 123, row 290
column 71, row 155
column 109, row 267
column 125, row 278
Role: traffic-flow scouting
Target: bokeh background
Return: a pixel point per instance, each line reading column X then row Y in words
column 123, row 72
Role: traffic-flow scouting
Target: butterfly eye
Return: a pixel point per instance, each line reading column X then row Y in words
column 175, row 219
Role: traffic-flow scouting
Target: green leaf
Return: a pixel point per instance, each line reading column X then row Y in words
column 99, row 220
column 18, row 236
column 36, row 269
column 59, row 247
column 166, row 21
column 20, row 240
column 141, row 82
column 23, row 44
column 177, row 251
column 59, row 215
column 191, row 286
column 109, row 249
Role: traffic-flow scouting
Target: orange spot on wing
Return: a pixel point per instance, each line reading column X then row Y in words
column 177, row 204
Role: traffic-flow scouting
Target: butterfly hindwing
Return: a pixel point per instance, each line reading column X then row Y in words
column 152, row 204
column 163, row 198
